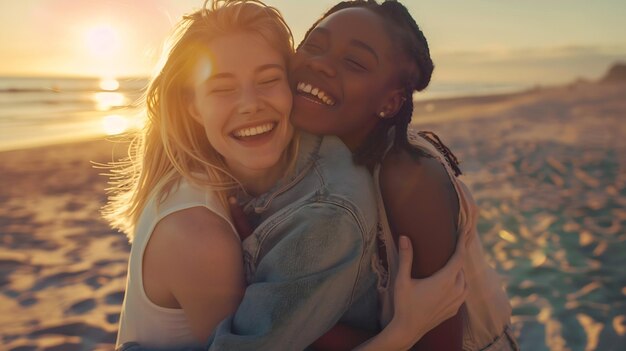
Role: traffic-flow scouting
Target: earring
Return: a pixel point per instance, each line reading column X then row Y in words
column 381, row 114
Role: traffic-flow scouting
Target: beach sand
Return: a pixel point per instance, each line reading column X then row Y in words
column 62, row 269
column 547, row 167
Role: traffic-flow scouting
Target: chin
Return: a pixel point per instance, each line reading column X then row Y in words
column 312, row 125
column 262, row 162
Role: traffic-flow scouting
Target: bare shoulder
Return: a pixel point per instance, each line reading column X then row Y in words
column 401, row 171
column 421, row 203
column 194, row 262
column 195, row 224
column 191, row 237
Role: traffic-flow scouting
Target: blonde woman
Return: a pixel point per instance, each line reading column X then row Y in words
column 218, row 125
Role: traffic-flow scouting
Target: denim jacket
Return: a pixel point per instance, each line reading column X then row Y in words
column 309, row 261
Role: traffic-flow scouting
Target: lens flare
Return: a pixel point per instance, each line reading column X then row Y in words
column 109, row 84
column 108, row 100
column 114, row 124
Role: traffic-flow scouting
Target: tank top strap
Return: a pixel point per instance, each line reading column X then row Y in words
column 432, row 145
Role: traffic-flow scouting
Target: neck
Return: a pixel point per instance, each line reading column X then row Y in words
column 257, row 181
column 356, row 138
column 353, row 142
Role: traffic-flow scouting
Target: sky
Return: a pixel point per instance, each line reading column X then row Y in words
column 530, row 42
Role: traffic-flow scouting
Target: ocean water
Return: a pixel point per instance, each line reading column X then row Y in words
column 37, row 111
column 443, row 90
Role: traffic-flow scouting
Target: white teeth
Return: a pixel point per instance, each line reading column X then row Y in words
column 317, row 92
column 252, row 131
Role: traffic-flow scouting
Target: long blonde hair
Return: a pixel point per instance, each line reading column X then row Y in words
column 172, row 145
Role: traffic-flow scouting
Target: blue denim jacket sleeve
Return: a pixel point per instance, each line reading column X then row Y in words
column 302, row 285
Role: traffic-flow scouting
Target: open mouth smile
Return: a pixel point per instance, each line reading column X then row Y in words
column 314, row 94
column 253, row 131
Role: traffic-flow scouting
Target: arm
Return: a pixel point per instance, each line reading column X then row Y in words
column 194, row 261
column 426, row 310
column 415, row 306
column 315, row 261
column 424, row 207
column 416, row 309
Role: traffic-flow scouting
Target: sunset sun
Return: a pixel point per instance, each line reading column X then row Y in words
column 102, row 40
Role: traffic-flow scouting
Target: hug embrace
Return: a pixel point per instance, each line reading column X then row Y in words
column 277, row 199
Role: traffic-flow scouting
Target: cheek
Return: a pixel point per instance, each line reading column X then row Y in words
column 363, row 99
column 212, row 131
column 215, row 118
column 281, row 99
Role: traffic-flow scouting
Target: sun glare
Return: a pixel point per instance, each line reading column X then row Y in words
column 108, row 100
column 115, row 124
column 109, row 84
column 102, row 40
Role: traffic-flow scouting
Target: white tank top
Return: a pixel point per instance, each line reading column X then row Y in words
column 141, row 320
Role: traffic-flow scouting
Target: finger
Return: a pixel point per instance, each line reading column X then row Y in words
column 240, row 221
column 462, row 287
column 463, row 293
column 460, row 293
column 406, row 258
column 460, row 283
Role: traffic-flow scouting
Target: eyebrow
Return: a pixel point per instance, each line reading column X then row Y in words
column 257, row 70
column 354, row 42
column 365, row 47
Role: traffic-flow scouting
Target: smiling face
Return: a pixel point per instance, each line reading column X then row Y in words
column 242, row 98
column 343, row 75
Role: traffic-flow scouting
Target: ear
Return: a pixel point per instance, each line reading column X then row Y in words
column 192, row 109
column 392, row 103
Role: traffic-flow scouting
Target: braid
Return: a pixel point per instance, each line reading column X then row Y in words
column 414, row 47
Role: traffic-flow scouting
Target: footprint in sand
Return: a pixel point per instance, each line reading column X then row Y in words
column 66, row 346
column 97, row 281
column 24, row 348
column 113, row 318
column 74, row 206
column 81, row 307
column 115, row 298
column 58, row 279
column 83, row 330
column 27, row 300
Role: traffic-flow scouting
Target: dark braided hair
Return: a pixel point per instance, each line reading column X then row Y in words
column 414, row 46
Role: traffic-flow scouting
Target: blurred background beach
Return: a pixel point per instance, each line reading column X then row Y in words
column 529, row 95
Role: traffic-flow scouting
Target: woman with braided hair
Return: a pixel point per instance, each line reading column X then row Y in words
column 354, row 75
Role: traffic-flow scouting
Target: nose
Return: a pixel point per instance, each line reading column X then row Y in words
column 250, row 101
column 323, row 65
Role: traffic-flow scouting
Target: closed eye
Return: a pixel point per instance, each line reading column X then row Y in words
column 356, row 64
column 312, row 47
column 269, row 81
column 224, row 90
